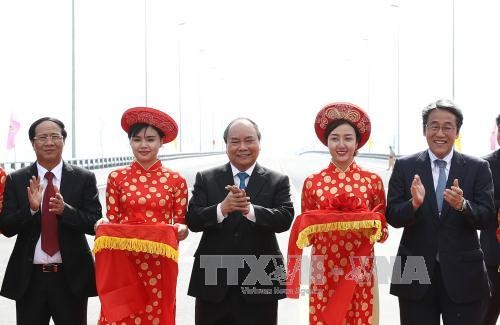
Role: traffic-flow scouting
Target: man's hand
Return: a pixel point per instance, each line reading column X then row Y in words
column 454, row 195
column 34, row 193
column 236, row 200
column 417, row 192
column 56, row 204
column 182, row 231
column 101, row 221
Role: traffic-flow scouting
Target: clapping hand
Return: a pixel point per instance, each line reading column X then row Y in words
column 34, row 193
column 236, row 200
column 56, row 204
column 182, row 231
column 417, row 192
column 454, row 195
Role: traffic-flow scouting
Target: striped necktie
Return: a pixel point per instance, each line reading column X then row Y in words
column 242, row 176
column 441, row 182
column 50, row 241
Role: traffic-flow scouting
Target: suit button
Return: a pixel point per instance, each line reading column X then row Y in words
column 236, row 239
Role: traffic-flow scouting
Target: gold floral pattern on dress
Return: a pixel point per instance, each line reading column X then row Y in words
column 156, row 195
column 334, row 250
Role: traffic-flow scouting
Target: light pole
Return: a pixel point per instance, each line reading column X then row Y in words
column 179, row 81
column 200, row 66
column 396, row 6
column 145, row 53
column 73, row 121
column 367, row 50
column 453, row 52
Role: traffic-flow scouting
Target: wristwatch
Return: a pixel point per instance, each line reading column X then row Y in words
column 464, row 205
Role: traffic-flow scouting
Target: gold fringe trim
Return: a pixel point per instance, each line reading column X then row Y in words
column 135, row 245
column 365, row 226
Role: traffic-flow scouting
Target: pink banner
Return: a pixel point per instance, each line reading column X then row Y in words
column 13, row 128
column 493, row 137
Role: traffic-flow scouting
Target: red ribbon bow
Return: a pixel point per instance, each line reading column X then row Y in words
column 343, row 202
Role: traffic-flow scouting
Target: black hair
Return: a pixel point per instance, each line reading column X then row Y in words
column 498, row 120
column 138, row 127
column 336, row 123
column 31, row 131
column 255, row 126
column 444, row 104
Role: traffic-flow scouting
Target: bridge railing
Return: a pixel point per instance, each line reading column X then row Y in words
column 107, row 162
column 360, row 154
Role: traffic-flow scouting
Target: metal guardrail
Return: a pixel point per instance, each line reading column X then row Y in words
column 107, row 162
column 360, row 154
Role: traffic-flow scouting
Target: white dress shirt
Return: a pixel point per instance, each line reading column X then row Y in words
column 435, row 168
column 251, row 214
column 40, row 256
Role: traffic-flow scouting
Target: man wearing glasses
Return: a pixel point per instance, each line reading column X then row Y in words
column 441, row 198
column 50, row 206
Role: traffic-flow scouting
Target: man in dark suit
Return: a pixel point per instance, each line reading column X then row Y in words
column 50, row 206
column 440, row 197
column 489, row 242
column 238, row 273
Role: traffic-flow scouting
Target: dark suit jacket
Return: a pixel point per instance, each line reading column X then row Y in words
column 82, row 210
column 489, row 244
column 453, row 234
column 269, row 193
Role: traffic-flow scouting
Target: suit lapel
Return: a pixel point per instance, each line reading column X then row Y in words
column 224, row 178
column 256, row 182
column 66, row 178
column 424, row 170
column 33, row 171
column 457, row 169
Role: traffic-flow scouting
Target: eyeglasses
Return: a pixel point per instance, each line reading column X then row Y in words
column 445, row 128
column 46, row 137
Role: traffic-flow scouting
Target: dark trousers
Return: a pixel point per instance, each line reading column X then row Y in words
column 48, row 295
column 437, row 303
column 493, row 309
column 234, row 310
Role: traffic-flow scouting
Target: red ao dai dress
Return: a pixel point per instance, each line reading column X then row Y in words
column 334, row 248
column 156, row 195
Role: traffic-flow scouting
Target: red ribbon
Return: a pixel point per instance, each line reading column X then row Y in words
column 120, row 289
column 340, row 209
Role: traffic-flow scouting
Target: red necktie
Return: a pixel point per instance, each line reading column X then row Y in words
column 50, row 243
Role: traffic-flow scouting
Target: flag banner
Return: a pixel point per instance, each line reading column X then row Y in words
column 493, row 137
column 13, row 128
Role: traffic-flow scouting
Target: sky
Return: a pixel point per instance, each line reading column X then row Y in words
column 277, row 62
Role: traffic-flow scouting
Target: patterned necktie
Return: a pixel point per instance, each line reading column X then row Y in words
column 242, row 176
column 441, row 182
column 50, row 243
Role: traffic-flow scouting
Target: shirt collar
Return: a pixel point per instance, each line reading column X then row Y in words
column 447, row 158
column 248, row 171
column 153, row 167
column 57, row 171
column 351, row 166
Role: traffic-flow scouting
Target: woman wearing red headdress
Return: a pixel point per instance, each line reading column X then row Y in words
column 342, row 217
column 3, row 178
column 136, row 245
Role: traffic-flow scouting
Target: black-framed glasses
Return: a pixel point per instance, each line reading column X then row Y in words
column 436, row 127
column 46, row 137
